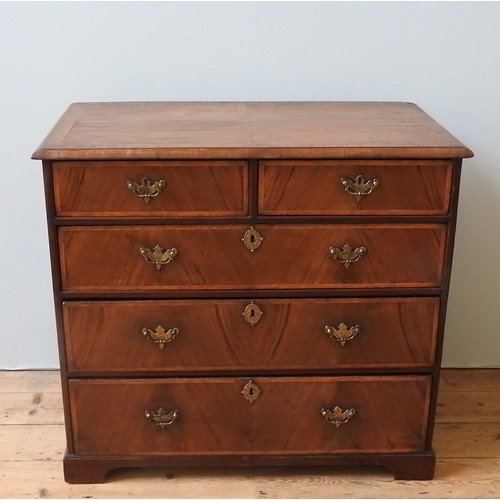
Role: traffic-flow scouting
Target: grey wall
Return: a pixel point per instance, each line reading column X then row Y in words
column 443, row 56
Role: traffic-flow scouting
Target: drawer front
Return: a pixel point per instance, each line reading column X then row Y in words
column 171, row 188
column 218, row 335
column 214, row 257
column 213, row 416
column 384, row 188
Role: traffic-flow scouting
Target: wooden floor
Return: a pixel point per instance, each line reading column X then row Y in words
column 467, row 443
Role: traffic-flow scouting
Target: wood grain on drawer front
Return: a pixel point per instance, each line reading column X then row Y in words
column 315, row 187
column 214, row 257
column 213, row 416
column 191, row 188
column 213, row 335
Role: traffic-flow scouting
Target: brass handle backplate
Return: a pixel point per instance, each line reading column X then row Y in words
column 338, row 416
column 161, row 417
column 342, row 333
column 359, row 186
column 146, row 188
column 347, row 255
column 158, row 256
column 160, row 335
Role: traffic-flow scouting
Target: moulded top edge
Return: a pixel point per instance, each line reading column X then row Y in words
column 253, row 153
column 252, row 130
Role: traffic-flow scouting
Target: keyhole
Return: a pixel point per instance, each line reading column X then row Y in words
column 251, row 391
column 252, row 313
column 252, row 239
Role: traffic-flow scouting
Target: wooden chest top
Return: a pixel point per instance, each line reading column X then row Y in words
column 182, row 130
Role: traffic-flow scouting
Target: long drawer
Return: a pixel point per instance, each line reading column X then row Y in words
column 151, row 188
column 274, row 334
column 225, row 415
column 354, row 187
column 216, row 257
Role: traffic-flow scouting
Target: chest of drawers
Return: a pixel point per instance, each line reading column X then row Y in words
column 250, row 283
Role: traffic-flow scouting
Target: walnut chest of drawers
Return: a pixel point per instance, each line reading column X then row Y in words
column 250, row 283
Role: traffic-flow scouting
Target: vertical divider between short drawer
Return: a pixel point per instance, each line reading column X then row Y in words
column 253, row 187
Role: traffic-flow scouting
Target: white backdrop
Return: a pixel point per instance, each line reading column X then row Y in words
column 443, row 56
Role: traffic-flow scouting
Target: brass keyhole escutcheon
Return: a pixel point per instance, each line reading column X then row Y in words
column 252, row 239
column 251, row 391
column 252, row 314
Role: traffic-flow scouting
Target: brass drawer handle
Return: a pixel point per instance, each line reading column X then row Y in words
column 342, row 333
column 146, row 188
column 252, row 239
column 347, row 255
column 160, row 336
column 338, row 416
column 161, row 417
column 358, row 186
column 252, row 314
column 158, row 256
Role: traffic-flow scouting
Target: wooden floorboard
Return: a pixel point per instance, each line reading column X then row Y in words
column 473, row 380
column 467, row 443
column 31, row 408
column 469, row 406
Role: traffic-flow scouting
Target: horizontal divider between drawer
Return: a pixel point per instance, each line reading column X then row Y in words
column 253, row 294
column 249, row 373
column 258, row 219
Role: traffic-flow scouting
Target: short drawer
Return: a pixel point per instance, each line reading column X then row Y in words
column 354, row 187
column 150, row 188
column 214, row 257
column 221, row 335
column 212, row 415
